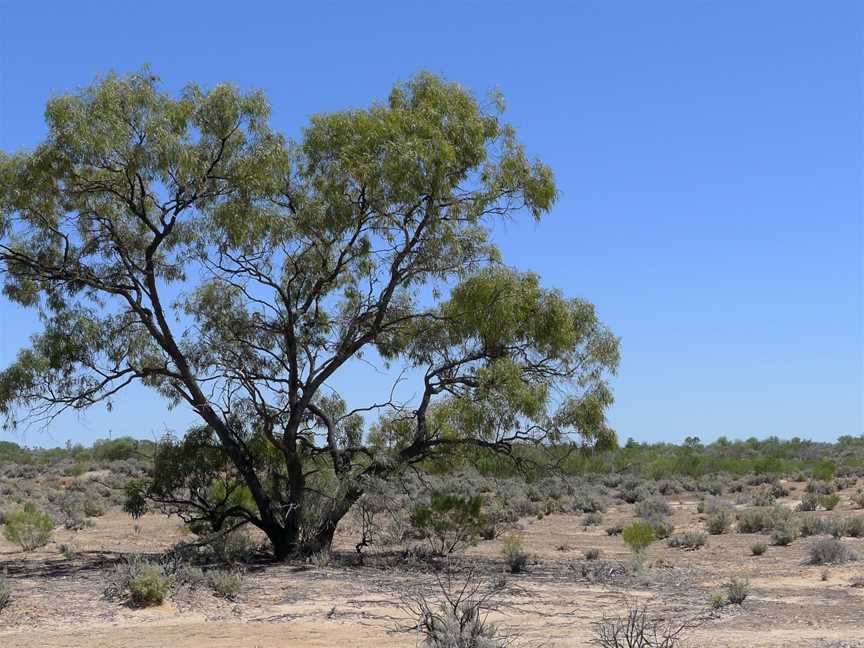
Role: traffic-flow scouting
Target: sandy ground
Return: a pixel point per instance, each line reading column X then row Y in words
column 60, row 603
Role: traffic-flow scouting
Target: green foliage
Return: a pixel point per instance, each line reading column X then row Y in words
column 737, row 590
column 29, row 528
column 784, row 534
column 449, row 522
column 809, row 502
column 758, row 548
column 824, row 470
column 828, row 502
column 762, row 520
column 638, row 536
column 720, row 521
column 148, row 586
column 514, row 553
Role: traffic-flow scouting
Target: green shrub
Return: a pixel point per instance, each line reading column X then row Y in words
column 638, row 536
column 858, row 499
column 828, row 502
column 226, row 584
column 830, row 551
column 449, row 522
column 758, row 548
column 29, row 529
column 737, row 590
column 689, row 540
column 720, row 521
column 148, row 586
column 514, row 553
column 784, row 535
column 92, row 508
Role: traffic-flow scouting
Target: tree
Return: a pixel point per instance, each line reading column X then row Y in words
column 182, row 244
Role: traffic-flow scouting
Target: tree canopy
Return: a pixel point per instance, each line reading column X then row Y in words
column 183, row 244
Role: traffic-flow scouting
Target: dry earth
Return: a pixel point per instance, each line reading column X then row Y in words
column 60, row 603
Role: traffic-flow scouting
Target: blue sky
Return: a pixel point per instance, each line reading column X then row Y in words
column 709, row 157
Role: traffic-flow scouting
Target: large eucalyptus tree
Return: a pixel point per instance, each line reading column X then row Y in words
column 180, row 243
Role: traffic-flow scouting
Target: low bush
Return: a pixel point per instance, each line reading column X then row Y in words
column 652, row 508
column 638, row 629
column 857, row 500
column 638, row 536
column 514, row 553
column 828, row 502
column 762, row 520
column 449, row 522
column 810, row 525
column 809, row 502
column 758, row 548
column 225, row 583
column 689, row 540
column 148, row 586
column 720, row 521
column 615, row 529
column 737, row 590
column 784, row 535
column 851, row 527
column 592, row 519
column 830, row 551
column 592, row 554
column 29, row 528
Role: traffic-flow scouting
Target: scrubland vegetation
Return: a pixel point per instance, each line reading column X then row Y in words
column 435, row 518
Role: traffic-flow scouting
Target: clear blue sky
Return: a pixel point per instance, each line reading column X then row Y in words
column 709, row 157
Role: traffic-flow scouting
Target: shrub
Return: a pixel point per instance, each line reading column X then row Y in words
column 784, row 535
column 5, row 594
column 828, row 502
column 830, row 551
column 592, row 554
column 857, row 500
column 637, row 629
column 720, row 521
column 593, row 519
column 30, row 528
column 458, row 618
column 689, row 540
column 758, row 548
column 762, row 520
column 225, row 583
column 810, row 525
column 638, row 536
column 449, row 522
column 92, row 508
column 652, row 508
column 232, row 546
column 615, row 528
column 718, row 600
column 851, row 527
column 148, row 585
column 737, row 590
column 514, row 553
column 662, row 528
column 809, row 502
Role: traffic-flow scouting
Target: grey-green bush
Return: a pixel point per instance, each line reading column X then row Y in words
column 29, row 528
column 226, row 584
column 830, row 551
